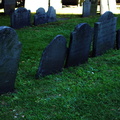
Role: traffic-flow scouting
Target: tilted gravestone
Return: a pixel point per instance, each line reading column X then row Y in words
column 79, row 47
column 51, row 14
column 93, row 10
column 10, row 49
column 86, row 8
column 40, row 17
column 118, row 39
column 9, row 6
column 20, row 18
column 33, row 5
column 104, row 34
column 53, row 57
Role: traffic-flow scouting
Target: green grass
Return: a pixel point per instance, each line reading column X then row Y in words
column 88, row 92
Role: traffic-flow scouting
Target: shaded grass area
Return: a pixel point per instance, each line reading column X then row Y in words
column 90, row 91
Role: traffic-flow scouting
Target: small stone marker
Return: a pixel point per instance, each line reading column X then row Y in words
column 40, row 17
column 10, row 49
column 53, row 57
column 51, row 14
column 33, row 5
column 86, row 8
column 104, row 34
column 20, row 18
column 93, row 10
column 118, row 39
column 79, row 47
column 9, row 6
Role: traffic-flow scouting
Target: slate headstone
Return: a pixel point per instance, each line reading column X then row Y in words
column 33, row 5
column 93, row 10
column 9, row 6
column 40, row 17
column 104, row 34
column 20, row 18
column 53, row 57
column 10, row 49
column 79, row 46
column 86, row 8
column 51, row 14
column 118, row 39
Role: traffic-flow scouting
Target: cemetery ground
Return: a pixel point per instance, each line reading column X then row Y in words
column 90, row 91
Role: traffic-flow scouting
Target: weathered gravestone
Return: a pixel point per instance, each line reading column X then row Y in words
column 93, row 10
column 104, row 34
column 33, row 5
column 20, row 18
column 9, row 6
column 51, row 14
column 86, row 8
column 40, row 17
column 10, row 49
column 53, row 57
column 118, row 39
column 79, row 46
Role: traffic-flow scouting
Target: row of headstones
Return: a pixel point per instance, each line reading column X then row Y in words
column 56, row 55
column 21, row 17
column 104, row 38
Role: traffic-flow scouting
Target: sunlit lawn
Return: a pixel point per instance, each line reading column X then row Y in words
column 88, row 92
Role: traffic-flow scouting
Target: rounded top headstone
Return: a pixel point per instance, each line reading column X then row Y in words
column 10, row 49
column 40, row 11
column 84, row 26
column 21, row 9
column 106, row 16
column 9, row 42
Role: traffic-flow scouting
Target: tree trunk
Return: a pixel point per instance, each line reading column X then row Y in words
column 93, row 10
